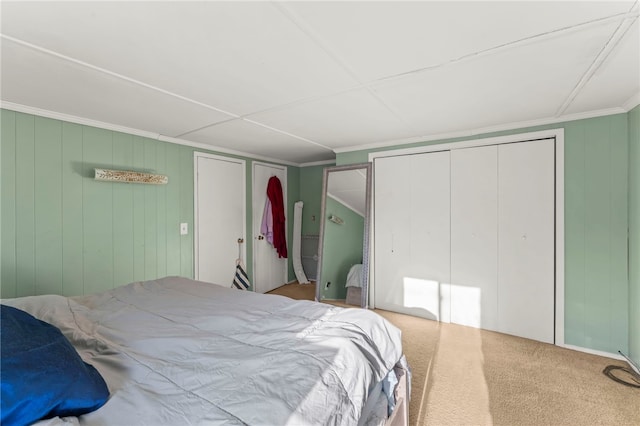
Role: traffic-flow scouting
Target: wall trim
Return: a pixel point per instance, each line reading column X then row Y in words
column 224, row 150
column 558, row 135
column 446, row 146
column 137, row 132
column 75, row 119
column 632, row 102
column 619, row 33
column 594, row 352
column 318, row 163
column 484, row 130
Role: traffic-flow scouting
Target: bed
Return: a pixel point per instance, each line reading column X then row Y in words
column 354, row 285
column 179, row 351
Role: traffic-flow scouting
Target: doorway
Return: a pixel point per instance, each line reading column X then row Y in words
column 219, row 216
column 269, row 271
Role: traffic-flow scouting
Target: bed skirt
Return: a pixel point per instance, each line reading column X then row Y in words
column 400, row 416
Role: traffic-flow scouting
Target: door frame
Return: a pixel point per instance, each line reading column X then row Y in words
column 558, row 135
column 286, row 208
column 196, row 229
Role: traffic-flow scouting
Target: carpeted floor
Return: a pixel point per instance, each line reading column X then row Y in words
column 466, row 376
column 297, row 291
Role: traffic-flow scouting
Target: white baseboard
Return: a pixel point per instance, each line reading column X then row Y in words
column 594, row 352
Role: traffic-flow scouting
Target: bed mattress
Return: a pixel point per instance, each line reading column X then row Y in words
column 178, row 351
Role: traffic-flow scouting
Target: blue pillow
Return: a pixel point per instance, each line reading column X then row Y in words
column 42, row 375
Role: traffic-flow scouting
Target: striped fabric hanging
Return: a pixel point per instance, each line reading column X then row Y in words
column 240, row 280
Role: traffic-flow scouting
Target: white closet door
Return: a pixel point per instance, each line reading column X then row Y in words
column 526, row 239
column 412, row 234
column 474, row 237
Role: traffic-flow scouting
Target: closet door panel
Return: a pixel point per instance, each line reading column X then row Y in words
column 474, row 237
column 390, row 195
column 526, row 175
column 412, row 240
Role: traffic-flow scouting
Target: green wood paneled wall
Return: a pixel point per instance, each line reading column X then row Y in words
column 311, row 194
column 293, row 195
column 634, row 234
column 62, row 232
column 65, row 233
column 596, row 223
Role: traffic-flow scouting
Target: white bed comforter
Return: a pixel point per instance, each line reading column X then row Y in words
column 176, row 351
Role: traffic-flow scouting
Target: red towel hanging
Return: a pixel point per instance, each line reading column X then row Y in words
column 274, row 192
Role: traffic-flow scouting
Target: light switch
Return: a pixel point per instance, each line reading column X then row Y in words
column 184, row 228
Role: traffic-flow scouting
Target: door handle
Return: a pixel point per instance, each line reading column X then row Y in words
column 260, row 237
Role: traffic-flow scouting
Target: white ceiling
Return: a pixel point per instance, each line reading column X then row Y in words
column 295, row 81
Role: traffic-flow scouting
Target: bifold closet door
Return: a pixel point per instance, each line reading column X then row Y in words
column 526, row 239
column 474, row 237
column 412, row 234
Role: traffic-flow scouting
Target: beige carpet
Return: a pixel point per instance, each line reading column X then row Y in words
column 482, row 378
column 297, row 291
column 466, row 376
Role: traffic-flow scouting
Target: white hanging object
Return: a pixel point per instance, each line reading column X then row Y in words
column 297, row 240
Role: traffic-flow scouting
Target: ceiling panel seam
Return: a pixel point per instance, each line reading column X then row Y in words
column 501, row 47
column 133, row 131
column 286, row 133
column 206, row 126
column 316, row 38
column 495, row 49
column 152, row 87
column 517, row 125
column 632, row 102
column 303, row 101
column 610, row 45
column 114, row 74
column 257, row 124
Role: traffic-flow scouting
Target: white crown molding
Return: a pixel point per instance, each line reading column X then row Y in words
column 614, row 40
column 229, row 151
column 632, row 102
column 75, row 119
column 157, row 89
column 318, row 163
column 114, row 74
column 108, row 126
column 484, row 130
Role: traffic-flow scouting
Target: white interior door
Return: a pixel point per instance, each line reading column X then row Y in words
column 412, row 234
column 220, row 214
column 474, row 237
column 526, row 239
column 269, row 271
